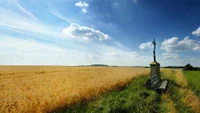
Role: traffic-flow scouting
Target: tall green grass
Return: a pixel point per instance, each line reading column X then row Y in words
column 134, row 98
column 193, row 78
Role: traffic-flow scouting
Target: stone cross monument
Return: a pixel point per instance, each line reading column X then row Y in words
column 154, row 82
column 155, row 66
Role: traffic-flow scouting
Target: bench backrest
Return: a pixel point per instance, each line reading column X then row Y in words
column 155, row 81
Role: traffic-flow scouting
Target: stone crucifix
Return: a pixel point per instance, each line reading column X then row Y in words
column 154, row 51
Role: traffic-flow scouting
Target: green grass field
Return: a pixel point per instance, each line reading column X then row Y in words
column 136, row 98
column 193, row 78
column 132, row 98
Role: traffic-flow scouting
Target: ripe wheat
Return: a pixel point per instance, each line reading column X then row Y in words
column 42, row 89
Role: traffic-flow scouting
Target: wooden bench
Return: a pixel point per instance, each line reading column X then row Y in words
column 156, row 83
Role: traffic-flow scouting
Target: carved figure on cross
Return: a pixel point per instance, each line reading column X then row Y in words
column 154, row 50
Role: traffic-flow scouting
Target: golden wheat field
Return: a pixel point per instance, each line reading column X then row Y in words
column 44, row 88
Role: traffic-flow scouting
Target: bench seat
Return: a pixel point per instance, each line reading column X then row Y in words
column 156, row 83
column 163, row 85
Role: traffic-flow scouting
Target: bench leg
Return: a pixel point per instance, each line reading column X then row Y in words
column 158, row 91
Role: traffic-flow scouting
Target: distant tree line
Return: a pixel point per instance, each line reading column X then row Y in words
column 186, row 67
column 99, row 65
column 173, row 67
column 190, row 67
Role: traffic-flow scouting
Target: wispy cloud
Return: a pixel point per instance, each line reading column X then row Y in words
column 26, row 45
column 58, row 15
column 25, row 11
column 170, row 55
column 10, row 20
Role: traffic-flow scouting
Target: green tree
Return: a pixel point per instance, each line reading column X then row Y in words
column 188, row 67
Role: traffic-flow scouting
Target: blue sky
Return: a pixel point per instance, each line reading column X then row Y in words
column 113, row 32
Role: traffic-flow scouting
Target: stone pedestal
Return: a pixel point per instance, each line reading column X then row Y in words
column 155, row 68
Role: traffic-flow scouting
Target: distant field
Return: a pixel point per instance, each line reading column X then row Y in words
column 42, row 89
column 193, row 78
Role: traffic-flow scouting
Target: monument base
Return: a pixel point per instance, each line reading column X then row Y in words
column 155, row 68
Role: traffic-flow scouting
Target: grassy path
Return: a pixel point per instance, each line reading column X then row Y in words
column 183, row 98
column 172, row 95
column 168, row 103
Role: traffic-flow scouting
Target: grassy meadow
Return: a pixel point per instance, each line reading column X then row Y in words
column 30, row 89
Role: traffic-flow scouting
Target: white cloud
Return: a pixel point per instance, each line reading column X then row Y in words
column 84, row 10
column 82, row 5
column 197, row 32
column 173, row 45
column 170, row 55
column 147, row 45
column 25, row 11
column 85, row 33
column 170, row 41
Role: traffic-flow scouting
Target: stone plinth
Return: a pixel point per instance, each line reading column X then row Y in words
column 155, row 68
